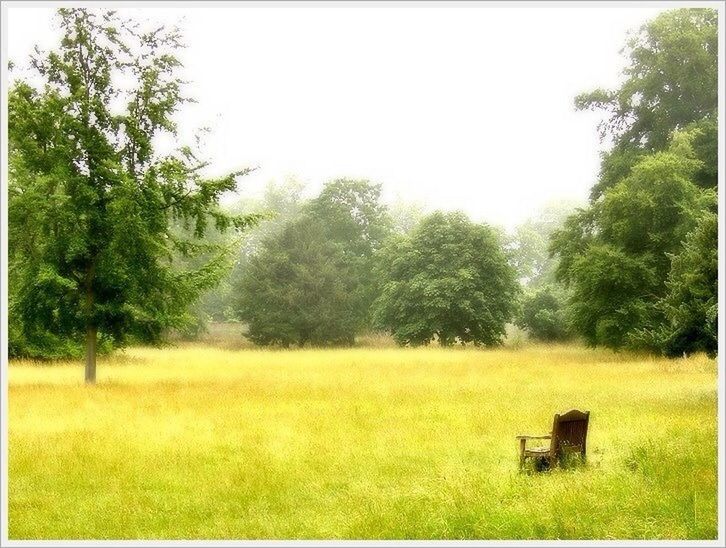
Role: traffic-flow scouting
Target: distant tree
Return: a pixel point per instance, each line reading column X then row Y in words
column 543, row 313
column 615, row 256
column 448, row 280
column 670, row 82
column 528, row 247
column 91, row 201
column 212, row 304
column 355, row 218
column 354, row 214
column 299, row 289
column 281, row 202
column 311, row 282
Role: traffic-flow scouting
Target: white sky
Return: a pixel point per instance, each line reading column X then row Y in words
column 458, row 107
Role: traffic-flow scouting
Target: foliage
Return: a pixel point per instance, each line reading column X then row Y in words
column 620, row 256
column 448, row 280
column 213, row 302
column 705, row 147
column 281, row 202
column 353, row 214
column 670, row 82
column 299, row 289
column 278, row 205
column 355, row 218
column 91, row 201
column 615, row 255
column 691, row 302
column 661, row 92
column 543, row 313
column 311, row 282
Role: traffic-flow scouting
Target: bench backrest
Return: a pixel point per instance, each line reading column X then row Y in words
column 569, row 432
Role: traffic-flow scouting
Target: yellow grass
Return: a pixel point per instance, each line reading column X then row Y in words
column 197, row 442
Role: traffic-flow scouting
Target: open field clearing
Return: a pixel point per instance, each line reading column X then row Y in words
column 200, row 443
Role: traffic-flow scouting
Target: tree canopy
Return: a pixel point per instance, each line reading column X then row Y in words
column 670, row 82
column 690, row 305
column 543, row 313
column 623, row 258
column 448, row 280
column 299, row 289
column 279, row 204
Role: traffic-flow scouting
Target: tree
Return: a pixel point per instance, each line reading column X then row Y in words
column 543, row 313
column 354, row 214
column 690, row 305
column 91, row 200
column 355, row 218
column 670, row 82
column 448, row 280
column 614, row 256
column 705, row 147
column 299, row 289
column 221, row 246
column 281, row 202
column 617, row 256
column 311, row 282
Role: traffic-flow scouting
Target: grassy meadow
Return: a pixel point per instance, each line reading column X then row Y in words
column 196, row 442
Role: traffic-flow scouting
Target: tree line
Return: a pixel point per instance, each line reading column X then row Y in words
column 113, row 241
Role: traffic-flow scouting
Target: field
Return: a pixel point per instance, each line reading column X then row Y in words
column 202, row 443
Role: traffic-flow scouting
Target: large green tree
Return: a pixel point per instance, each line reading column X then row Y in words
column 448, row 280
column 91, row 201
column 621, row 256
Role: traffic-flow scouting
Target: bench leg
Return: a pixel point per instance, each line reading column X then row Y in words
column 522, row 444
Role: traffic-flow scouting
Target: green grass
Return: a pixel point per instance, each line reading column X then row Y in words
column 200, row 443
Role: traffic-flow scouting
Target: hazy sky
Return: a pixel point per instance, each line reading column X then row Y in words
column 459, row 107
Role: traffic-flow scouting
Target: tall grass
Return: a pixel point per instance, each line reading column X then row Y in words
column 384, row 443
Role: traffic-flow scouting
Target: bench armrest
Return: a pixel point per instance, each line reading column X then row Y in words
column 526, row 437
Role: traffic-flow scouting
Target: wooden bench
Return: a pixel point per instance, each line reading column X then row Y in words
column 568, row 437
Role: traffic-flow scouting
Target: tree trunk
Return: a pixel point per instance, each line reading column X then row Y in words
column 90, row 354
column 91, row 331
